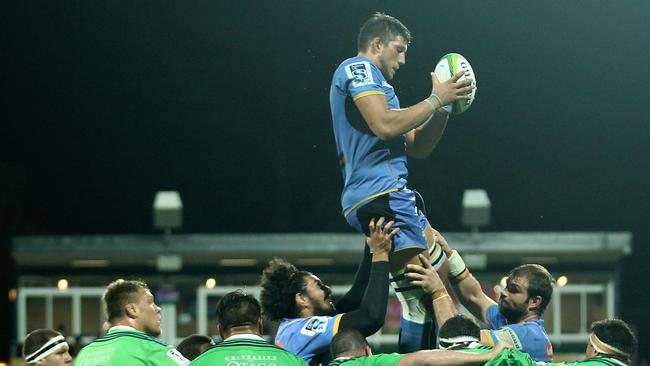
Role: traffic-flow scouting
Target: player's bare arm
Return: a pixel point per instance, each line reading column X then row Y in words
column 390, row 123
column 421, row 141
column 450, row 358
column 425, row 276
column 465, row 284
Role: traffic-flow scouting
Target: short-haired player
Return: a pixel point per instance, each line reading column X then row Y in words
column 374, row 135
column 46, row 347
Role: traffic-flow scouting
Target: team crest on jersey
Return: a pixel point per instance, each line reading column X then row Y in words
column 360, row 73
column 317, row 324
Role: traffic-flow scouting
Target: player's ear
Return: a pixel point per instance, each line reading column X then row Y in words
column 376, row 44
column 534, row 303
column 260, row 326
column 131, row 310
column 301, row 300
column 367, row 350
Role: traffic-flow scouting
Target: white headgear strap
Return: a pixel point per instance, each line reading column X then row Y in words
column 604, row 348
column 51, row 346
column 449, row 342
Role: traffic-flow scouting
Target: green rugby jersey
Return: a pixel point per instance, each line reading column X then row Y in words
column 126, row 346
column 513, row 357
column 247, row 350
column 595, row 361
column 387, row 359
column 518, row 358
column 507, row 357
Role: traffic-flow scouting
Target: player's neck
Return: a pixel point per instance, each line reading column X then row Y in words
column 350, row 355
column 127, row 322
column 528, row 317
column 241, row 330
column 374, row 57
column 306, row 312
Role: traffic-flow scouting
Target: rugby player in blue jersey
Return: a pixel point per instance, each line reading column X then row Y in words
column 516, row 319
column 302, row 303
column 611, row 342
column 374, row 135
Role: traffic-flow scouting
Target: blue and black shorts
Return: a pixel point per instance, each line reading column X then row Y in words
column 399, row 206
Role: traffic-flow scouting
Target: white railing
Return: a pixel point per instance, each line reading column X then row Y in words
column 582, row 290
column 49, row 293
column 202, row 295
column 607, row 290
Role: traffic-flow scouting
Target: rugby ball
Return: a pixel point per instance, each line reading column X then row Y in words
column 449, row 65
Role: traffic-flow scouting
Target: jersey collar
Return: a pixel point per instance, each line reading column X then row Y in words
column 245, row 336
column 122, row 327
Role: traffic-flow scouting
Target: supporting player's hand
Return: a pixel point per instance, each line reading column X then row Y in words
column 424, row 276
column 452, row 89
column 381, row 238
column 498, row 348
column 438, row 238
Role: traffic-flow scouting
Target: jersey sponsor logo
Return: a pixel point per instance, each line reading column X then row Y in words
column 508, row 336
column 251, row 360
column 177, row 357
column 317, row 324
column 360, row 73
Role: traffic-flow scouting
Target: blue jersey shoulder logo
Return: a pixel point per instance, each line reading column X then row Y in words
column 317, row 324
column 360, row 73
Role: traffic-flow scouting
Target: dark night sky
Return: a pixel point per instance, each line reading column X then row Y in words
column 105, row 103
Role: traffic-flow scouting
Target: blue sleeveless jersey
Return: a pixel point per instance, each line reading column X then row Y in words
column 529, row 337
column 308, row 338
column 369, row 165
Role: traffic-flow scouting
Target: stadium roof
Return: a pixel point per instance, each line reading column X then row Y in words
column 480, row 250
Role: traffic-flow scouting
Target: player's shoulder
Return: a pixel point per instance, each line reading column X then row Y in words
column 300, row 322
column 250, row 345
column 534, row 328
column 306, row 330
column 492, row 310
column 132, row 338
column 494, row 317
column 359, row 70
column 356, row 60
column 385, row 358
column 529, row 337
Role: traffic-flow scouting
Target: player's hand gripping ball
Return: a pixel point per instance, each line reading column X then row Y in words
column 449, row 65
